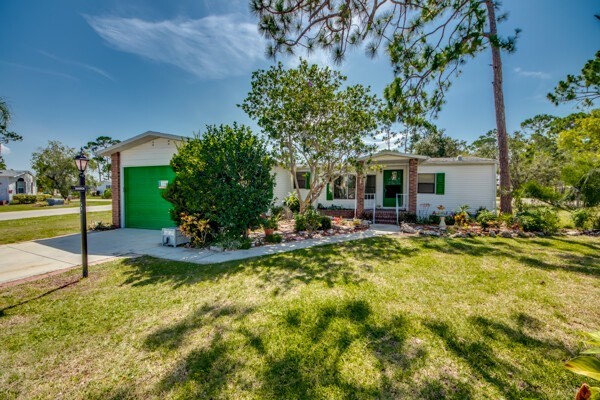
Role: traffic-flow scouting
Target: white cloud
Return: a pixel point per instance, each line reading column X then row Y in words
column 77, row 63
column 532, row 74
column 5, row 150
column 40, row 70
column 211, row 48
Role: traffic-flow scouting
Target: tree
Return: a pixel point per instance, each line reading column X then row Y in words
column 485, row 146
column 311, row 121
column 55, row 168
column 435, row 143
column 100, row 163
column 583, row 88
column 225, row 177
column 6, row 136
column 427, row 40
column 581, row 145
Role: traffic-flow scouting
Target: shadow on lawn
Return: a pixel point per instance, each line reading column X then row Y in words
column 308, row 358
column 329, row 264
column 578, row 263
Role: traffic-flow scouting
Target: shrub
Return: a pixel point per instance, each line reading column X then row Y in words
column 24, row 199
column 487, row 219
column 196, row 228
column 435, row 219
column 271, row 222
column 540, row 219
column 276, row 211
column 581, row 218
column 325, row 223
column 223, row 176
column 410, row 217
column 100, row 226
column 309, row 221
column 107, row 194
column 292, row 202
column 274, row 238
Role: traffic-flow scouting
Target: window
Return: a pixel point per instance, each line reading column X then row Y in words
column 345, row 187
column 426, row 183
column 303, row 180
column 370, row 184
column 20, row 186
column 432, row 183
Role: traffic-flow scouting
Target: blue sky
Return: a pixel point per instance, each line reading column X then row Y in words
column 72, row 70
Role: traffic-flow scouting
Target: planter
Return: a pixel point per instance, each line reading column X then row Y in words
column 269, row 231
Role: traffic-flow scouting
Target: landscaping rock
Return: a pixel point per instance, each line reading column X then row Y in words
column 216, row 248
column 407, row 228
column 492, row 234
column 458, row 235
column 506, row 234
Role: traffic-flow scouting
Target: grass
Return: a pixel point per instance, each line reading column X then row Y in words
column 74, row 203
column 380, row 318
column 20, row 230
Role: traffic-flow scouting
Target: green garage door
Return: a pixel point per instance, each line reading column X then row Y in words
column 144, row 206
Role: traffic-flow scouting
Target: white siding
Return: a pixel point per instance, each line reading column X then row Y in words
column 283, row 184
column 470, row 184
column 154, row 152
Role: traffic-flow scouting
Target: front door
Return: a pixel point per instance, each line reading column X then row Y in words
column 392, row 185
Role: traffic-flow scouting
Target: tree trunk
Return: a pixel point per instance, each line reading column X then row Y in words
column 505, row 191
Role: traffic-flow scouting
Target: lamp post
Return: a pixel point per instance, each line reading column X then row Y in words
column 82, row 162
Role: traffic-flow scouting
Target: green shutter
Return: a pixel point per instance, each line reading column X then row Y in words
column 307, row 182
column 440, row 183
column 329, row 193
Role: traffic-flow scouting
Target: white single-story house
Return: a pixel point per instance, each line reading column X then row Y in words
column 395, row 182
column 16, row 182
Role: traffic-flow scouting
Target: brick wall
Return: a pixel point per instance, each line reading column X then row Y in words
column 116, row 188
column 412, row 185
column 338, row 213
column 360, row 195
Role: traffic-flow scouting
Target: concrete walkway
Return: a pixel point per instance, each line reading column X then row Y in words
column 46, row 212
column 23, row 260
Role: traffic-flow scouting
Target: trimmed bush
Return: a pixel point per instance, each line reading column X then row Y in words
column 274, row 238
column 325, row 223
column 581, row 218
column 541, row 219
column 107, row 194
column 487, row 219
column 309, row 221
column 292, row 202
column 29, row 198
column 409, row 217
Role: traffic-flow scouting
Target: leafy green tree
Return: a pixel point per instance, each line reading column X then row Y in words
column 310, row 120
column 6, row 136
column 427, row 40
column 581, row 145
column 436, row 143
column 223, row 176
column 485, row 146
column 583, row 88
column 55, row 168
column 100, row 163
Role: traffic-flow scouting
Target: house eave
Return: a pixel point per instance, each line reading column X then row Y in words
column 139, row 139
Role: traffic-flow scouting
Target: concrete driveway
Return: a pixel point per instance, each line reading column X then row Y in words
column 27, row 259
column 46, row 212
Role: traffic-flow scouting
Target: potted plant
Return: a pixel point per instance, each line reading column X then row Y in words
column 269, row 224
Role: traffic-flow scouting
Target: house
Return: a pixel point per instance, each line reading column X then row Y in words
column 394, row 183
column 16, row 182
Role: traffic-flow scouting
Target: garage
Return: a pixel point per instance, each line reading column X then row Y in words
column 141, row 171
column 145, row 208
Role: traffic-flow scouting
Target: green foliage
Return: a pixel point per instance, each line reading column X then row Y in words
column 538, row 219
column 270, row 222
column 435, row 143
column 461, row 218
column 55, row 168
column 6, row 136
column 325, row 222
column 197, row 229
column 274, row 238
column 581, row 218
column 107, row 194
column 223, row 176
column 292, row 202
column 100, row 163
column 545, row 194
column 29, row 198
column 588, row 364
column 487, row 219
column 311, row 119
column 309, row 220
column 583, row 88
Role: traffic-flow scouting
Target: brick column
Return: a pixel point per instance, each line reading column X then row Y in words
column 115, row 169
column 412, row 185
column 360, row 195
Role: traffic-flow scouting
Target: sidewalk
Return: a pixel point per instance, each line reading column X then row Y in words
column 27, row 259
column 46, row 212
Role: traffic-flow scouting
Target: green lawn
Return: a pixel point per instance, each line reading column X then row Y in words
column 73, row 203
column 379, row 318
column 20, row 230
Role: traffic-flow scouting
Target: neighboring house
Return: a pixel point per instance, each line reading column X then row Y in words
column 102, row 187
column 396, row 182
column 16, row 182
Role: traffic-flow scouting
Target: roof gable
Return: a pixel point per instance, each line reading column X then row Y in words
column 138, row 140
